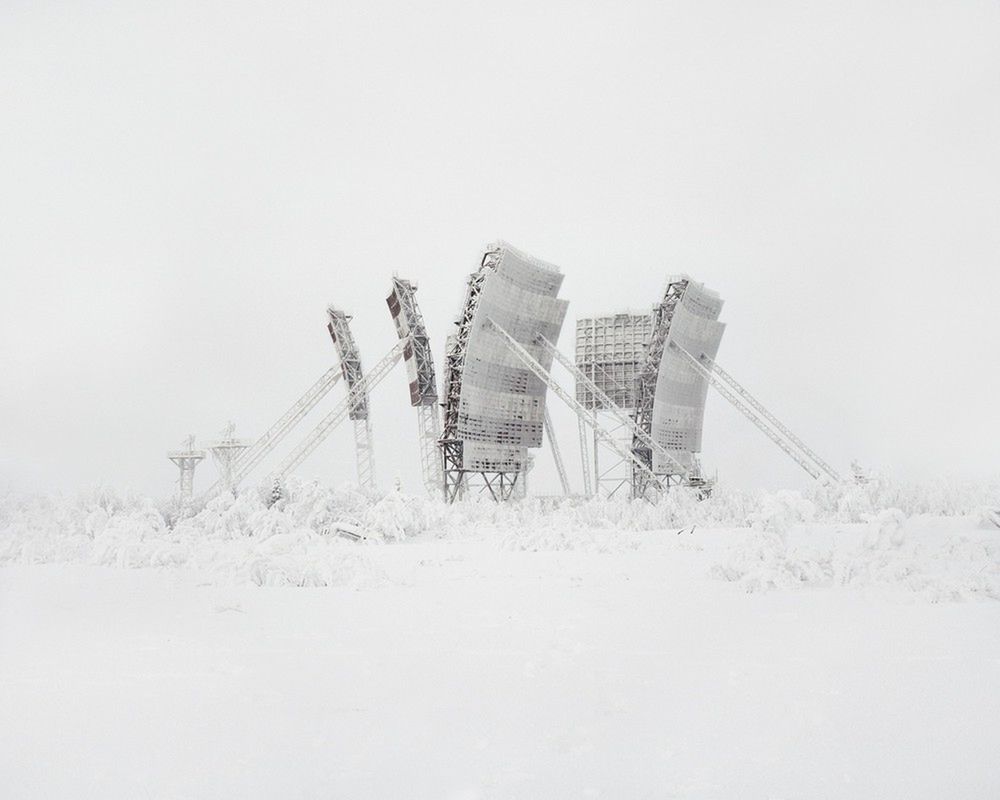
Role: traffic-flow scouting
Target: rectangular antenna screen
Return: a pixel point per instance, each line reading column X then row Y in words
column 502, row 403
column 610, row 351
column 679, row 403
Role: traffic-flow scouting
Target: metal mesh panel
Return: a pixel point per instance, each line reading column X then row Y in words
column 610, row 351
column 497, row 408
column 501, row 401
column 679, row 403
column 484, row 457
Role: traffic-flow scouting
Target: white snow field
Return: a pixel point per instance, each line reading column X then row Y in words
column 841, row 645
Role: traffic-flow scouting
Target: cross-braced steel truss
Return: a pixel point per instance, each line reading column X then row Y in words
column 419, row 362
column 556, row 454
column 340, row 412
column 350, row 364
column 645, row 385
column 226, row 452
column 455, row 475
column 766, row 422
column 621, row 424
column 186, row 461
column 273, row 436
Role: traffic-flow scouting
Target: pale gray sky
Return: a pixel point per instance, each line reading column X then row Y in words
column 184, row 186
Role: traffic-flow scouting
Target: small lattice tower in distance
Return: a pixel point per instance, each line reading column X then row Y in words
column 226, row 451
column 186, row 460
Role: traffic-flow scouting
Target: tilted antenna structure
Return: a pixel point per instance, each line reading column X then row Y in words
column 423, row 385
column 637, row 391
column 341, row 411
column 186, row 460
column 761, row 418
column 493, row 406
column 645, row 383
column 350, row 364
column 678, row 413
column 540, row 371
column 248, row 460
column 455, row 481
column 226, row 451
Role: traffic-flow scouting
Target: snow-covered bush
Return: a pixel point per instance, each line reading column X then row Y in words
column 242, row 538
column 855, row 502
column 301, row 535
column 780, row 511
column 762, row 559
column 891, row 551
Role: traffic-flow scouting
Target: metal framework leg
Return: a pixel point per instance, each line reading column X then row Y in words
column 365, row 451
column 454, row 475
column 553, row 386
column 778, row 425
column 501, row 485
column 617, row 473
column 597, row 456
column 770, row 431
column 556, row 454
column 431, row 466
column 588, row 488
column 369, row 381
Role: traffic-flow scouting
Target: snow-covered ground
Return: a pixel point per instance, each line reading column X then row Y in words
column 764, row 646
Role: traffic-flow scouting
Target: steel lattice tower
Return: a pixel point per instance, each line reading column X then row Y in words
column 226, row 452
column 186, row 460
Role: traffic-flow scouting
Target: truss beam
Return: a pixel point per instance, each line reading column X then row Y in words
column 747, row 411
column 344, row 408
column 610, row 477
column 775, row 422
column 556, row 454
column 588, row 488
column 429, row 432
column 273, row 436
column 364, row 450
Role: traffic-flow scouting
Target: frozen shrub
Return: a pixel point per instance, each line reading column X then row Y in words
column 887, row 530
column 298, row 538
column 762, row 559
column 780, row 511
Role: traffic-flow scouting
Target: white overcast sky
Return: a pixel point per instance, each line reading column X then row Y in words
column 185, row 186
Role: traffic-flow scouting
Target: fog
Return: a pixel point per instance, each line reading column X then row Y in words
column 185, row 186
